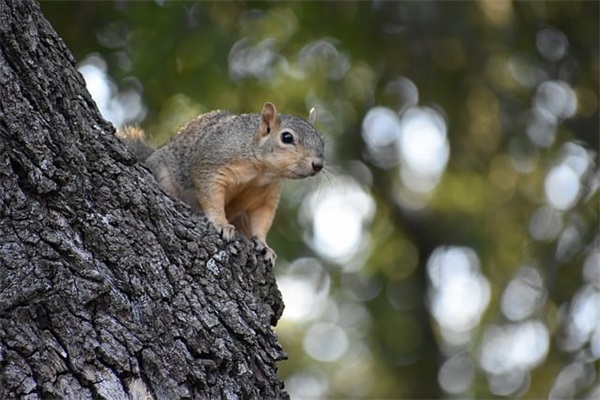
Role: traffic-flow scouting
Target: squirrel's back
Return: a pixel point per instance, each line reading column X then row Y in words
column 223, row 137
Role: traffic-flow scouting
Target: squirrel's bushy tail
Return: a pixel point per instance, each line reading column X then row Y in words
column 135, row 139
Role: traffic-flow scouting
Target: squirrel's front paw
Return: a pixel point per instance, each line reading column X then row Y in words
column 270, row 255
column 226, row 231
column 261, row 247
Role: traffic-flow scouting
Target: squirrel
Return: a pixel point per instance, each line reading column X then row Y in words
column 231, row 166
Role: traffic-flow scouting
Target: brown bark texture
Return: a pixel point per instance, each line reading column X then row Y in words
column 109, row 288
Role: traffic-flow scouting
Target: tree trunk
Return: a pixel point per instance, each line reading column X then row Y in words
column 108, row 287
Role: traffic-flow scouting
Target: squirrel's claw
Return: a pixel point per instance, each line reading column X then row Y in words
column 270, row 255
column 261, row 247
column 226, row 231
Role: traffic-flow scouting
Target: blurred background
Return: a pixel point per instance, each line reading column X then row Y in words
column 452, row 247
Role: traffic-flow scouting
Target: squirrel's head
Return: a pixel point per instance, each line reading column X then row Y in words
column 288, row 145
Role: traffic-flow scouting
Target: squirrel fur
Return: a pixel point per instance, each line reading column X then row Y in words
column 231, row 166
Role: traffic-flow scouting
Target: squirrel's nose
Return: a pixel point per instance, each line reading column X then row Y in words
column 317, row 165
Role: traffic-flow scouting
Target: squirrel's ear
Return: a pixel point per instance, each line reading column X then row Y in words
column 269, row 116
column 312, row 116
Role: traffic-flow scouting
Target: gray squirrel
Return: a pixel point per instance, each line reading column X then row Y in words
column 231, row 166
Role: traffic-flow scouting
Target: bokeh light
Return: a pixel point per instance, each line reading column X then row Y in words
column 340, row 214
column 456, row 374
column 551, row 43
column 509, row 351
column 561, row 187
column 305, row 287
column 423, row 147
column 459, row 292
column 523, row 295
column 381, row 129
column 325, row 341
column 119, row 106
column 258, row 61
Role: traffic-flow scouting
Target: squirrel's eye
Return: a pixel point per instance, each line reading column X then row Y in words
column 287, row 137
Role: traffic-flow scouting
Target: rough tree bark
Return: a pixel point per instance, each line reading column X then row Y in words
column 108, row 287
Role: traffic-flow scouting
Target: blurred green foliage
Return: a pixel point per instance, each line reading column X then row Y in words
column 493, row 70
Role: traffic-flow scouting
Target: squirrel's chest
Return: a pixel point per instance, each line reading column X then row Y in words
column 248, row 188
column 249, row 198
